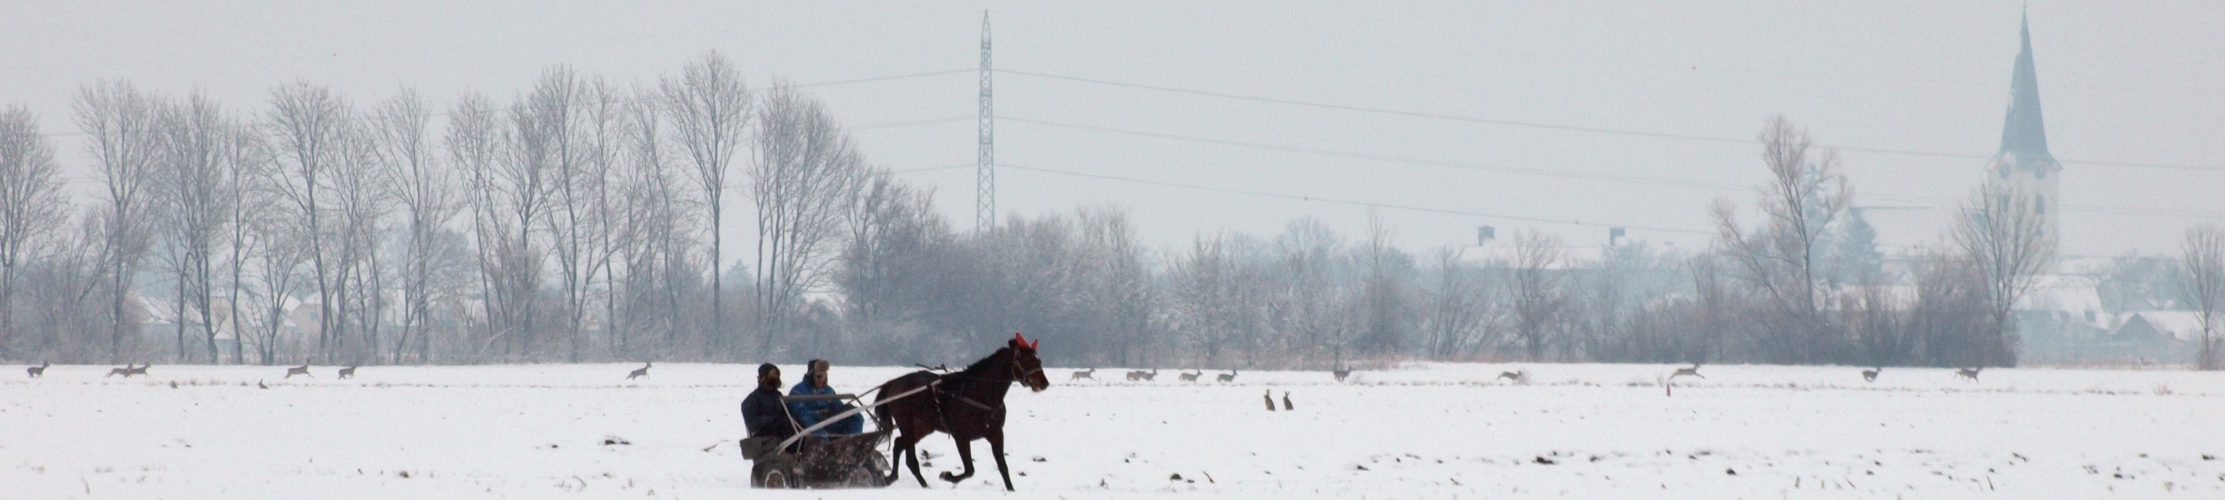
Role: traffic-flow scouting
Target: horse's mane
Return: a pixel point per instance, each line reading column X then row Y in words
column 983, row 364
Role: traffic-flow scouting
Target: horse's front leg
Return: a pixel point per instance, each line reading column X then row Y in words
column 996, row 450
column 965, row 456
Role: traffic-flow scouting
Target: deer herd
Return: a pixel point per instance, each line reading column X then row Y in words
column 1519, row 376
column 1341, row 372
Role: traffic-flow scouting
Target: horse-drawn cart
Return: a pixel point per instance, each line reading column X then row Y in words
column 967, row 404
column 808, row 460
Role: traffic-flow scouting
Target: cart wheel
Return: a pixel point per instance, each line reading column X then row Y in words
column 869, row 473
column 768, row 475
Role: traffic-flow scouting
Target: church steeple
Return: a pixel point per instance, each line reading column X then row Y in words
column 2024, row 162
column 2023, row 134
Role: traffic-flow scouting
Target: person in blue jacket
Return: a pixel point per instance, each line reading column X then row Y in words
column 809, row 413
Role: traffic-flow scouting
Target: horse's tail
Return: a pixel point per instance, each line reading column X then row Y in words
column 884, row 417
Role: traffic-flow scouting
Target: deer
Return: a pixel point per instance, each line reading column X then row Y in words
column 1518, row 376
column 1341, row 373
column 1969, row 373
column 1693, row 371
column 641, row 372
column 1870, row 375
column 126, row 371
column 1090, row 374
column 1286, row 406
column 1191, row 377
column 141, row 370
column 1227, row 377
column 348, row 372
column 38, row 371
column 302, row 370
column 1270, row 397
column 1142, row 375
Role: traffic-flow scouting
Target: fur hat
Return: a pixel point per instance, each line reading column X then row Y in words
column 766, row 369
column 817, row 367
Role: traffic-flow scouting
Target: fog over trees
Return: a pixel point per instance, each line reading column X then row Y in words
column 577, row 221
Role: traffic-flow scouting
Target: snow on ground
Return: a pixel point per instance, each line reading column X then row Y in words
column 1424, row 430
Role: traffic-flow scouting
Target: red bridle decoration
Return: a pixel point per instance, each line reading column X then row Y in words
column 1016, row 338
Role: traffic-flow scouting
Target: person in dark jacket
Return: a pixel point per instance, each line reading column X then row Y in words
column 762, row 411
column 809, row 413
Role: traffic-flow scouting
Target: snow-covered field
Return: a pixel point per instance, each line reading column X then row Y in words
column 1424, row 430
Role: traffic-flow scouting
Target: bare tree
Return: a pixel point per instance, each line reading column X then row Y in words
column 309, row 126
column 570, row 110
column 125, row 143
column 1538, row 298
column 1204, row 288
column 805, row 170
column 360, row 205
column 707, row 107
column 1123, row 285
column 31, row 205
column 1309, row 258
column 652, row 237
column 1383, row 291
column 523, row 185
column 275, row 276
column 2203, row 256
column 2005, row 236
column 426, row 191
column 473, row 143
column 1783, row 259
column 1458, row 310
column 197, row 198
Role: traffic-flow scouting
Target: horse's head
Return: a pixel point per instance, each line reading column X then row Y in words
column 1026, row 368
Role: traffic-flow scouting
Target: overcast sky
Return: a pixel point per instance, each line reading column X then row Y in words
column 1518, row 115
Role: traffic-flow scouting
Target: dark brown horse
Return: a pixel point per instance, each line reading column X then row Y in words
column 967, row 405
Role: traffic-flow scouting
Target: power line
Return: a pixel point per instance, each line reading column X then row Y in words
column 1337, row 201
column 946, row 167
column 1717, row 187
column 1385, row 158
column 933, row 121
column 1570, row 128
column 883, row 78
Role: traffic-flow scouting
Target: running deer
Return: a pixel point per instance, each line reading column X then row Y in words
column 642, row 372
column 302, row 370
column 348, row 372
column 1286, row 406
column 1090, row 373
column 1693, row 371
column 1517, row 376
column 1227, row 377
column 1143, row 375
column 38, row 371
column 1191, row 377
column 1270, row 397
column 1341, row 373
column 126, row 371
column 1870, row 375
column 1969, row 373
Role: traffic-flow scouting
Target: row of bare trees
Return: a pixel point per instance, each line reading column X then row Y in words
column 567, row 223
column 577, row 221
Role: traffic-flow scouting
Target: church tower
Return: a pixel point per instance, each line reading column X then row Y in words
column 2024, row 162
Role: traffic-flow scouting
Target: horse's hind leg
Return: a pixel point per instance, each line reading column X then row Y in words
column 904, row 455
column 996, row 450
column 965, row 456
